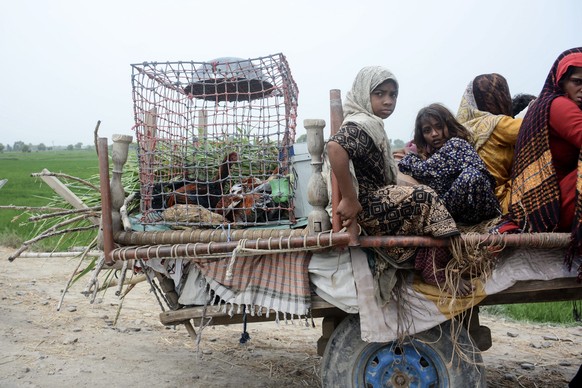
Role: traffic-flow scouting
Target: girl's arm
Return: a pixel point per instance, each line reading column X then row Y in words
column 454, row 156
column 349, row 206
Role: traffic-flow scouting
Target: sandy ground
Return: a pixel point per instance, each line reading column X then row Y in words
column 80, row 346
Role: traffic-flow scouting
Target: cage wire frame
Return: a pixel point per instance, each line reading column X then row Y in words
column 215, row 137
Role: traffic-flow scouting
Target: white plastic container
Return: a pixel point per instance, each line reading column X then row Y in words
column 301, row 162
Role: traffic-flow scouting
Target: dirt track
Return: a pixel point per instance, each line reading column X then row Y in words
column 79, row 346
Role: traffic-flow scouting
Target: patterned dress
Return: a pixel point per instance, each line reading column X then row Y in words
column 392, row 210
column 460, row 178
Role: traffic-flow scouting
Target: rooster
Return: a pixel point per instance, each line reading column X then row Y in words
column 249, row 201
column 206, row 194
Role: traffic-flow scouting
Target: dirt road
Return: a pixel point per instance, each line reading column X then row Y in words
column 79, row 345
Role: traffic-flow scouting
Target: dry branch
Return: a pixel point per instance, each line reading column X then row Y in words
column 96, row 136
column 83, row 256
column 121, row 279
column 45, row 255
column 114, row 282
column 123, row 212
column 66, row 176
column 93, row 210
column 29, row 208
column 27, row 244
column 93, row 284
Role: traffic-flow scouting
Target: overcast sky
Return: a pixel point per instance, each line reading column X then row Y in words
column 66, row 64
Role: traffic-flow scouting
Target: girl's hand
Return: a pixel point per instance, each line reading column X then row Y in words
column 348, row 210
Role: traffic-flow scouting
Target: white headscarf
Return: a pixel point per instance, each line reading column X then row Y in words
column 358, row 109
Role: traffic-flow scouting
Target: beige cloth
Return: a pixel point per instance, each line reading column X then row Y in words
column 358, row 109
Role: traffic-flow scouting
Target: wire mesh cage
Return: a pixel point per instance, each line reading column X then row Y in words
column 214, row 141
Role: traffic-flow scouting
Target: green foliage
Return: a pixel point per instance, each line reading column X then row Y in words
column 10, row 239
column 301, row 139
column 397, row 144
column 543, row 312
column 24, row 190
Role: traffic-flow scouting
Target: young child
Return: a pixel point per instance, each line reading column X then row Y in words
column 448, row 163
column 376, row 203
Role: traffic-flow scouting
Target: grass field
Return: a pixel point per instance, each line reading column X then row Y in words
column 23, row 190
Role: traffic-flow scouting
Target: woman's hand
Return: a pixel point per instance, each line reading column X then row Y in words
column 348, row 210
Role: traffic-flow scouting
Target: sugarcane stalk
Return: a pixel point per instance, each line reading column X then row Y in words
column 66, row 176
column 26, row 244
column 69, row 282
column 93, row 210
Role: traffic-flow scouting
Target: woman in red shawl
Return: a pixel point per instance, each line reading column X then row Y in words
column 544, row 197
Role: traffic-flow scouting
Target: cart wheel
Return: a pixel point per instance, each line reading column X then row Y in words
column 424, row 360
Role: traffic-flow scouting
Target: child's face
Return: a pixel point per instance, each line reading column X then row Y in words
column 383, row 99
column 434, row 132
column 573, row 87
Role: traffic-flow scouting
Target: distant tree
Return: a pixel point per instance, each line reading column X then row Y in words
column 1, row 147
column 78, row 146
column 70, row 147
column 25, row 148
column 18, row 146
column 41, row 147
column 301, row 139
column 396, row 144
column 8, row 148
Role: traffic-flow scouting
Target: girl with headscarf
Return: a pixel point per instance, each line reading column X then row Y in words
column 547, row 170
column 373, row 200
column 447, row 162
column 486, row 111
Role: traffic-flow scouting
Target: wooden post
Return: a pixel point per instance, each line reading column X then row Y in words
column 119, row 153
column 337, row 117
column 318, row 219
column 106, row 228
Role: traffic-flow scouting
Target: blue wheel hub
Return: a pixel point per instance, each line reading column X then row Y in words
column 410, row 364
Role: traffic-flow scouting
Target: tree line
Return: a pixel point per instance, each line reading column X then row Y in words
column 20, row 146
column 394, row 143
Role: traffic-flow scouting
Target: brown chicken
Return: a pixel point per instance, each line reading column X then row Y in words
column 206, row 194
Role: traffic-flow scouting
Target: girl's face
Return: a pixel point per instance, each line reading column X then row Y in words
column 383, row 99
column 573, row 87
column 434, row 132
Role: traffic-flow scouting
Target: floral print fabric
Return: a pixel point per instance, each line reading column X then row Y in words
column 460, row 178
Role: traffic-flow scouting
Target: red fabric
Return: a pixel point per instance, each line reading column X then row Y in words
column 431, row 262
column 572, row 59
column 568, row 201
column 565, row 135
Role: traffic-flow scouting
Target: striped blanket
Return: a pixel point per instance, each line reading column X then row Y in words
column 278, row 282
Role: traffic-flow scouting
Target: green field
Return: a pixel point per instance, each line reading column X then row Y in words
column 24, row 190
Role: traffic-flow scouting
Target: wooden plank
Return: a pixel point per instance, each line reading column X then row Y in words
column 320, row 309
column 565, row 289
column 532, row 291
column 62, row 190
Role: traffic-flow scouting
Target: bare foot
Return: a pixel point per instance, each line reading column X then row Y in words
column 465, row 287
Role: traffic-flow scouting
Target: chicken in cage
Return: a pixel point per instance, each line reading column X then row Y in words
column 214, row 141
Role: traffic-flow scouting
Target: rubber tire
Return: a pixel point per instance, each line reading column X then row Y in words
column 347, row 358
